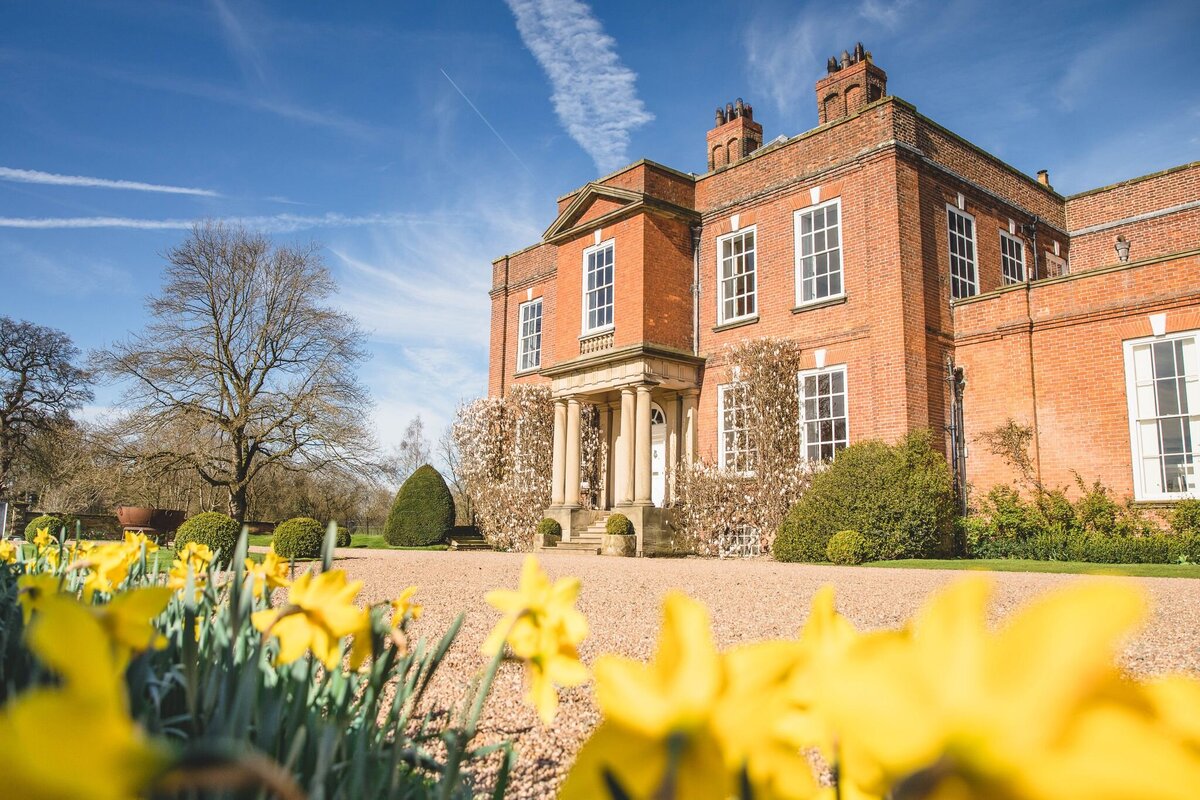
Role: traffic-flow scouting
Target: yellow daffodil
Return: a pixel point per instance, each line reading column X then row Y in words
column 33, row 589
column 656, row 729
column 542, row 628
column 129, row 617
column 112, row 759
column 198, row 557
column 404, row 608
column 1036, row 710
column 320, row 611
column 43, row 539
column 270, row 573
column 108, row 566
column 139, row 540
column 8, row 552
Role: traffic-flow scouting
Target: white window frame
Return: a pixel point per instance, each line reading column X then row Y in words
column 829, row 370
column 1006, row 258
column 523, row 338
column 750, row 230
column 608, row 243
column 974, row 260
column 723, row 454
column 799, row 254
column 1137, row 458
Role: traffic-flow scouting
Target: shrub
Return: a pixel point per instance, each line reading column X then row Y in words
column 343, row 537
column 55, row 524
column 899, row 497
column 549, row 527
column 423, row 512
column 218, row 531
column 1050, row 526
column 299, row 537
column 846, row 547
column 1185, row 519
column 618, row 525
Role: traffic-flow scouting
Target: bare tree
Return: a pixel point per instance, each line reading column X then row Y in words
column 412, row 453
column 451, row 459
column 243, row 354
column 39, row 387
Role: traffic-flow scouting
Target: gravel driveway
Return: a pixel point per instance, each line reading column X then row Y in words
column 748, row 600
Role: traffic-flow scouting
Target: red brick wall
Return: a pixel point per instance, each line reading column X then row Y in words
column 1074, row 328
column 530, row 272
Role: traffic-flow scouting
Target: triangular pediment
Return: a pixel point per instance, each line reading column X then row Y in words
column 594, row 201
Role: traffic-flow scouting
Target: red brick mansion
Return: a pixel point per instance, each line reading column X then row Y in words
column 928, row 283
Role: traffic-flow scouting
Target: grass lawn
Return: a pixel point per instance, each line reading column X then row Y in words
column 370, row 541
column 1029, row 565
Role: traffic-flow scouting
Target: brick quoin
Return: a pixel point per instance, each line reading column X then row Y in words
column 1047, row 352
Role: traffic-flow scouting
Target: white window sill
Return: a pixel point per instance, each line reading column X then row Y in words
column 736, row 322
column 597, row 331
column 809, row 305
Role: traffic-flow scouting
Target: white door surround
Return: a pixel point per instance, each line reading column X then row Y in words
column 658, row 455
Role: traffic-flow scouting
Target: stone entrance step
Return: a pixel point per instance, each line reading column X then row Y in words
column 464, row 538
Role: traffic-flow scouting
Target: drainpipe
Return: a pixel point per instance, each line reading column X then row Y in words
column 696, row 289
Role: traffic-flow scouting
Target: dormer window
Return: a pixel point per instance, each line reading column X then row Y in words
column 598, row 287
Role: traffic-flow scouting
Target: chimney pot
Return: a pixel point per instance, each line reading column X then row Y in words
column 845, row 59
column 1043, row 177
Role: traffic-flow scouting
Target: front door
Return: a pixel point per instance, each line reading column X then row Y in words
column 658, row 455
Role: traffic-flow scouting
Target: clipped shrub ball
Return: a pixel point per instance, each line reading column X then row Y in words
column 423, row 512
column 899, row 497
column 218, row 531
column 55, row 525
column 846, row 548
column 549, row 527
column 343, row 537
column 618, row 525
column 299, row 537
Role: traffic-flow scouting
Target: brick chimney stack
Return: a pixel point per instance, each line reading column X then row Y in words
column 852, row 82
column 734, row 136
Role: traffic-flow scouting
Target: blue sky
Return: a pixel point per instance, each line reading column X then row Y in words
column 417, row 141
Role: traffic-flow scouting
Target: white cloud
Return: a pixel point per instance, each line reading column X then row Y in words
column 421, row 292
column 276, row 223
column 239, row 40
column 593, row 92
column 54, row 179
column 786, row 58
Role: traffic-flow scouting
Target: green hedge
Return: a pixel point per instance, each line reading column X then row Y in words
column 299, row 537
column 218, row 531
column 423, row 512
column 343, row 537
column 53, row 523
column 618, row 525
column 549, row 527
column 846, row 547
column 1049, row 525
column 1185, row 518
column 900, row 498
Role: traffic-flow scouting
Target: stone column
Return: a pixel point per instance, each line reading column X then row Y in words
column 559, row 460
column 671, row 411
column 691, row 421
column 571, row 479
column 602, row 489
column 641, row 438
column 625, row 465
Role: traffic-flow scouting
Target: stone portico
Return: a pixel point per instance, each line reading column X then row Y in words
column 647, row 399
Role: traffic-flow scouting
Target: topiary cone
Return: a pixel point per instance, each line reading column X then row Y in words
column 423, row 511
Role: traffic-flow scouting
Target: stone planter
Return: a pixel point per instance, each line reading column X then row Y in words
column 135, row 516
column 615, row 544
